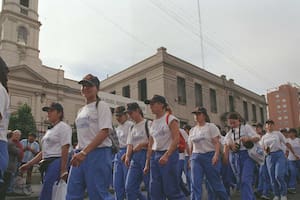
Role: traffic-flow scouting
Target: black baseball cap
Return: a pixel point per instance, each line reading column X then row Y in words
column 200, row 110
column 90, row 80
column 132, row 107
column 120, row 110
column 156, row 99
column 53, row 106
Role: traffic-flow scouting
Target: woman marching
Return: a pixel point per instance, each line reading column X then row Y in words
column 120, row 170
column 91, row 164
column 273, row 142
column 243, row 166
column 53, row 158
column 135, row 159
column 205, row 160
column 4, row 119
column 163, row 141
column 293, row 162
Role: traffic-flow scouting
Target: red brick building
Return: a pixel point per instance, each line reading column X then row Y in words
column 284, row 106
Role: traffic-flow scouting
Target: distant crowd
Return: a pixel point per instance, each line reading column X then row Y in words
column 157, row 156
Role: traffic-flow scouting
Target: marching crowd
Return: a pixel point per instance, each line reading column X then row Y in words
column 257, row 161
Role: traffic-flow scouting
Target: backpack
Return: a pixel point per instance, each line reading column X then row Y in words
column 181, row 144
column 115, row 148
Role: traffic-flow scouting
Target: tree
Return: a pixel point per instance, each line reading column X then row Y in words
column 22, row 120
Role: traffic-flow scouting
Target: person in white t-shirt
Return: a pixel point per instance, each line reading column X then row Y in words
column 236, row 140
column 53, row 158
column 4, row 118
column 137, row 143
column 163, row 141
column 293, row 162
column 273, row 143
column 120, row 170
column 205, row 156
column 91, row 164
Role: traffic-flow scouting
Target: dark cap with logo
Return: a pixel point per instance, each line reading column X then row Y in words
column 132, row 107
column 156, row 99
column 53, row 106
column 200, row 110
column 120, row 110
column 269, row 121
column 90, row 80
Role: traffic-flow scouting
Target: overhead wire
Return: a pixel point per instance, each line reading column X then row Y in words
column 211, row 42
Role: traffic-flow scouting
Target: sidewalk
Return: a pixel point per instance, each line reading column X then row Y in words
column 36, row 189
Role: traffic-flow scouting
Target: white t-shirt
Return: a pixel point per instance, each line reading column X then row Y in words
column 138, row 133
column 274, row 140
column 161, row 133
column 4, row 110
column 200, row 137
column 295, row 143
column 55, row 138
column 90, row 121
column 246, row 131
column 123, row 131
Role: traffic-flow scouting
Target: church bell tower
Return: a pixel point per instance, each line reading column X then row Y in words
column 19, row 33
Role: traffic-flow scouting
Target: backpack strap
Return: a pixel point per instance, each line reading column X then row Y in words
column 147, row 128
column 167, row 118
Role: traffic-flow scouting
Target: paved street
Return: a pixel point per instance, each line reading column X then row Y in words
column 36, row 190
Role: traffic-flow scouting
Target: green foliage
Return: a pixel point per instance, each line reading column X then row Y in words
column 22, row 120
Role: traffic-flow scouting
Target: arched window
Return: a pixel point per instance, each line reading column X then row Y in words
column 22, row 35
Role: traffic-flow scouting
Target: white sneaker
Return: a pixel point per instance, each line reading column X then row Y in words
column 276, row 198
column 283, row 198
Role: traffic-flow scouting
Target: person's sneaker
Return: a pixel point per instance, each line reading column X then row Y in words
column 283, row 198
column 292, row 190
column 276, row 198
column 264, row 197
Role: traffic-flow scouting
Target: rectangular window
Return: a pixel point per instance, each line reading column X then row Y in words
column 113, row 92
column 262, row 118
column 181, row 90
column 231, row 103
column 213, row 100
column 126, row 91
column 246, row 114
column 142, row 87
column 254, row 119
column 24, row 3
column 198, row 95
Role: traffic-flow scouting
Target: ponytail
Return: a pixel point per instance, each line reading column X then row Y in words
column 97, row 100
column 168, row 109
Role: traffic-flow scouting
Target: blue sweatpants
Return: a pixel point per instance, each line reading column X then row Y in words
column 276, row 164
column 3, row 158
column 244, row 166
column 164, row 180
column 136, row 175
column 263, row 180
column 93, row 174
column 119, row 175
column 51, row 175
column 201, row 164
column 294, row 166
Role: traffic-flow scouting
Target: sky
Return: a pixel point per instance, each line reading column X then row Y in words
column 254, row 42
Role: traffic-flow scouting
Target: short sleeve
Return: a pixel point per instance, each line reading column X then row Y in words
column 213, row 130
column 104, row 116
column 129, row 137
column 171, row 118
column 281, row 137
column 250, row 131
column 66, row 134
